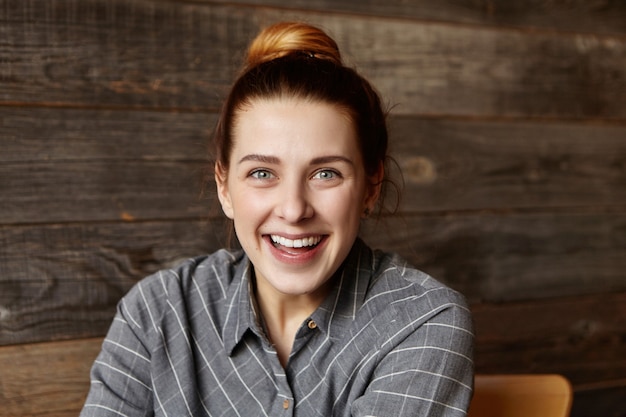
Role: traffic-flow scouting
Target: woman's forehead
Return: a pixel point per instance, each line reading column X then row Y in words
column 284, row 126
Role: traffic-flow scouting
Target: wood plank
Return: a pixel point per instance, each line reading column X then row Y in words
column 593, row 17
column 63, row 281
column 601, row 401
column 164, row 54
column 505, row 257
column 456, row 164
column 46, row 379
column 60, row 371
column 44, row 134
column 97, row 191
column 119, row 53
column 583, row 338
column 61, row 165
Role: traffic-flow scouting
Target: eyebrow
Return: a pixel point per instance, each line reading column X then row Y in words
column 268, row 159
column 331, row 158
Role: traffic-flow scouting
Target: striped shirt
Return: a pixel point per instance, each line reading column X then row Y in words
column 388, row 341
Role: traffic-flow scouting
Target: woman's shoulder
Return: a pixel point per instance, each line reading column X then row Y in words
column 401, row 283
column 402, row 300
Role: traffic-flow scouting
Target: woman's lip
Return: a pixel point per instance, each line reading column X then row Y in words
column 295, row 255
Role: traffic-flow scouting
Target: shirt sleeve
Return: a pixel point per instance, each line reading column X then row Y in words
column 120, row 376
column 428, row 372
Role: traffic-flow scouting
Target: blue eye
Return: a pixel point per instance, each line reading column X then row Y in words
column 261, row 174
column 326, row 174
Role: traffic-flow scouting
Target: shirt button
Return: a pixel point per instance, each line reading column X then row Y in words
column 312, row 324
column 286, row 404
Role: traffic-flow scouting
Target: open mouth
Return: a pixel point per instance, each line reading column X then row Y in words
column 306, row 242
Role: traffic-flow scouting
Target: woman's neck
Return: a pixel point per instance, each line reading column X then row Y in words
column 283, row 314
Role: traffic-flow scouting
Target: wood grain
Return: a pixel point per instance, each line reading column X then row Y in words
column 463, row 165
column 183, row 55
column 69, row 165
column 64, row 280
column 507, row 120
column 581, row 337
column 506, row 257
column 47, row 379
column 96, row 191
column 600, row 401
column 59, row 135
column 606, row 17
column 60, row 281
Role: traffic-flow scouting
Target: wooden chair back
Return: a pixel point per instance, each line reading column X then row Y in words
column 545, row 395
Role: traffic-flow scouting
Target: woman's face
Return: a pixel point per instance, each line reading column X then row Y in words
column 296, row 190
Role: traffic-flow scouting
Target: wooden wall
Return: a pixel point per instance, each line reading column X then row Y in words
column 508, row 121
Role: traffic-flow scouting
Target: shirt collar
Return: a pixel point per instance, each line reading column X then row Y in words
column 334, row 315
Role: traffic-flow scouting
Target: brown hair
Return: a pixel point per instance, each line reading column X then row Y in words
column 286, row 38
column 297, row 60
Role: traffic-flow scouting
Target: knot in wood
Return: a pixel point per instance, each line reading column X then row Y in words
column 420, row 170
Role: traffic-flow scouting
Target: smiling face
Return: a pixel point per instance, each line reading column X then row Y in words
column 296, row 189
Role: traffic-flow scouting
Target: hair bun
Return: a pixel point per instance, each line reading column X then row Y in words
column 287, row 38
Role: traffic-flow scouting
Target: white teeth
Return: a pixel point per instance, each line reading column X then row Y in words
column 297, row 243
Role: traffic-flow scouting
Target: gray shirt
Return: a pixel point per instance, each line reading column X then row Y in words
column 388, row 341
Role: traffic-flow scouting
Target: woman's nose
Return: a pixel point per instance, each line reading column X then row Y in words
column 294, row 205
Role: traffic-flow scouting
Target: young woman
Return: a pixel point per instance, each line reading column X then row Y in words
column 306, row 319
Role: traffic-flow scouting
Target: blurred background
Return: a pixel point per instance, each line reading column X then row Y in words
column 508, row 121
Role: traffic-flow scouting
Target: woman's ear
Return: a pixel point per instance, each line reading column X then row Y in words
column 373, row 189
column 221, row 180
